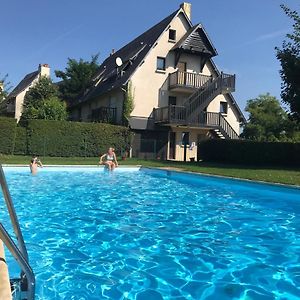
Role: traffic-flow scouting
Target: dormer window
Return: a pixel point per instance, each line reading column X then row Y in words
column 172, row 35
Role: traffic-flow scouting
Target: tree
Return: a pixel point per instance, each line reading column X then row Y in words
column 53, row 109
column 128, row 104
column 267, row 120
column 4, row 91
column 42, row 102
column 289, row 57
column 77, row 77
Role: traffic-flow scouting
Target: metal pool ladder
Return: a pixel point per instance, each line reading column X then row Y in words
column 18, row 251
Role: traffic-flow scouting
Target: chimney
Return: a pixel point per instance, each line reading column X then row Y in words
column 187, row 8
column 44, row 70
column 112, row 52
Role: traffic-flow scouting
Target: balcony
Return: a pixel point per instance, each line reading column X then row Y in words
column 177, row 115
column 104, row 115
column 187, row 82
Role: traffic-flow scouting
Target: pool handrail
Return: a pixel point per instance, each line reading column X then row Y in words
column 19, row 252
column 22, row 261
column 12, row 214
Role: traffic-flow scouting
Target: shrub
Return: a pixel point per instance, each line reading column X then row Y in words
column 7, row 135
column 249, row 152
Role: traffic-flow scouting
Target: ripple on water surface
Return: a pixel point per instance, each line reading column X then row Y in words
column 133, row 235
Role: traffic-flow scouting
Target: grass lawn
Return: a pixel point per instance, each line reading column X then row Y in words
column 262, row 173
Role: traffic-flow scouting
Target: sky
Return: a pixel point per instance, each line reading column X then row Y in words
column 244, row 33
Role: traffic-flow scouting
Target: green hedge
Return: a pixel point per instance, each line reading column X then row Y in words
column 250, row 152
column 21, row 144
column 61, row 138
column 7, row 135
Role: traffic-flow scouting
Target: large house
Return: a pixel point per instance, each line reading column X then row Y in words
column 15, row 99
column 180, row 97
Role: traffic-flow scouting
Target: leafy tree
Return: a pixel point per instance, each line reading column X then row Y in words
column 128, row 104
column 42, row 102
column 4, row 91
column 267, row 120
column 77, row 77
column 53, row 109
column 289, row 57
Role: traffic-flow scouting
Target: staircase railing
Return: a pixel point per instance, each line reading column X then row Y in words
column 174, row 114
column 19, row 252
column 226, row 129
column 187, row 79
column 225, row 83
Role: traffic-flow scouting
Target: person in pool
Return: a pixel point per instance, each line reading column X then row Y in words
column 34, row 164
column 109, row 159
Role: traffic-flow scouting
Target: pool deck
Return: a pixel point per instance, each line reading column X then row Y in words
column 5, row 292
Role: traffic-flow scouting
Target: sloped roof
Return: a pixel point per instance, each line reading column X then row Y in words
column 132, row 55
column 196, row 41
column 24, row 83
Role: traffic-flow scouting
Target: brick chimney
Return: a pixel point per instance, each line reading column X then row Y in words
column 187, row 8
column 44, row 70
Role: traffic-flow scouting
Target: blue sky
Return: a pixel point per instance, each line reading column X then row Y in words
column 244, row 33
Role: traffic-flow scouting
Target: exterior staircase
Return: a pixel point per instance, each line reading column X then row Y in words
column 196, row 103
column 192, row 112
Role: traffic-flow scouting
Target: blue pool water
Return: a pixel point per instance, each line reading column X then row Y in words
column 147, row 235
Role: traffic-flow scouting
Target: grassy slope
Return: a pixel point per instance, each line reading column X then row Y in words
column 269, row 174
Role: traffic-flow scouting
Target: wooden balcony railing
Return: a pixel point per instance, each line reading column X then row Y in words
column 173, row 114
column 187, row 79
column 104, row 115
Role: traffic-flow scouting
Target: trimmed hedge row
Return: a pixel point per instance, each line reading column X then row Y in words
column 7, row 135
column 61, row 138
column 250, row 152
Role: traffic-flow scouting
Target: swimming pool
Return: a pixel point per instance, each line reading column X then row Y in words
column 147, row 234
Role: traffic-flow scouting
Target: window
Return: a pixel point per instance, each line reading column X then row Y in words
column 161, row 64
column 185, row 140
column 172, row 35
column 172, row 100
column 223, row 107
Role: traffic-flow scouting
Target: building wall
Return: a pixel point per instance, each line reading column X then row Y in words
column 155, row 93
column 150, row 85
column 195, row 135
column 19, row 104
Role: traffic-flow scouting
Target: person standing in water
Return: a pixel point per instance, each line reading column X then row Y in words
column 34, row 164
column 109, row 159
